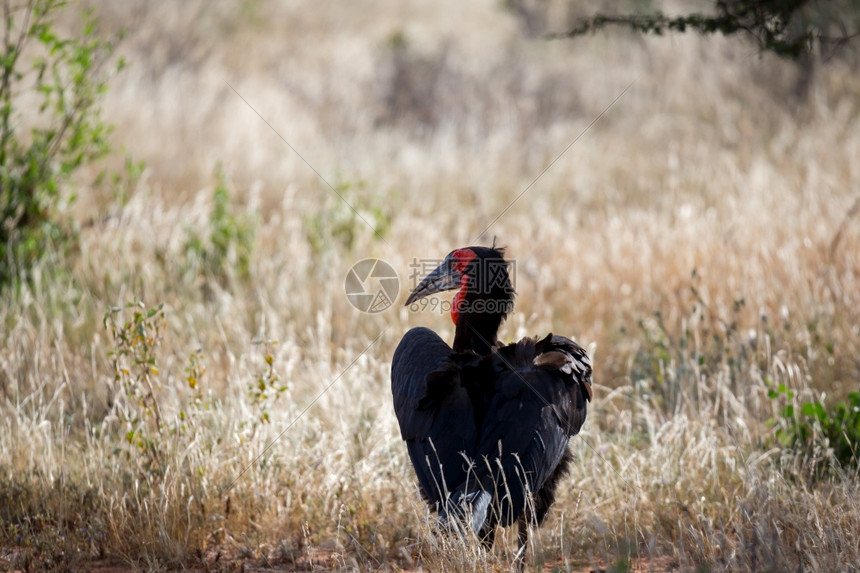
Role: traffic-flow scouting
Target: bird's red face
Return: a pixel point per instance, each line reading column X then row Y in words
column 462, row 258
column 451, row 274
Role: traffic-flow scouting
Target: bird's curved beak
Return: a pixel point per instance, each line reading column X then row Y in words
column 444, row 277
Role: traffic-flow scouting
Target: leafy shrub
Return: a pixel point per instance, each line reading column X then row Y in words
column 68, row 77
column 267, row 386
column 813, row 425
column 230, row 241
column 342, row 220
column 135, row 357
column 135, row 364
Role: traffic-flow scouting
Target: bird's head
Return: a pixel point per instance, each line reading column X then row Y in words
column 484, row 292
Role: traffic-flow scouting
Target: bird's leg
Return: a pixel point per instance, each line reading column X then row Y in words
column 523, row 539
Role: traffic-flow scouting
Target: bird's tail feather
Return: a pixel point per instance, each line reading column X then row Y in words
column 472, row 508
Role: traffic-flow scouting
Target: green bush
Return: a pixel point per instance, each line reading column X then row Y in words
column 57, row 84
column 134, row 357
column 814, row 426
column 341, row 220
column 225, row 251
column 136, row 332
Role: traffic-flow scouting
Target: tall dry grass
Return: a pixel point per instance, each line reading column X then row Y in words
column 697, row 236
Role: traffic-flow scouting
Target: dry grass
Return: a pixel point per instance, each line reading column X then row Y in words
column 696, row 235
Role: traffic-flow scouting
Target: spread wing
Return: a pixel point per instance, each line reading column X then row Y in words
column 537, row 404
column 434, row 411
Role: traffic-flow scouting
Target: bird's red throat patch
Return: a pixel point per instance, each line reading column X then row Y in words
column 462, row 258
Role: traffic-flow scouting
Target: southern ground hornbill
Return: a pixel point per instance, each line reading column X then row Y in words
column 487, row 425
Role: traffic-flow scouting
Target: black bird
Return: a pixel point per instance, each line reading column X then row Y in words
column 487, row 425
